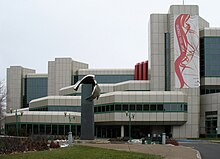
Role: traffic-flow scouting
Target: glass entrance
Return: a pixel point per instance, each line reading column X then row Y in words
column 211, row 124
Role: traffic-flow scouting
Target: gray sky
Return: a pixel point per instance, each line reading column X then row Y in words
column 113, row 32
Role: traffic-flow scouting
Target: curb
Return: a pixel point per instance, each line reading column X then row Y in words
column 198, row 155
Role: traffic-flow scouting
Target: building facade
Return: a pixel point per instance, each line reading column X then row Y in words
column 176, row 91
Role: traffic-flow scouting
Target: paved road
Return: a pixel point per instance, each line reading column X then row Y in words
column 208, row 150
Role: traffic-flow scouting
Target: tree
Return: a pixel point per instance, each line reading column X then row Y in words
column 2, row 103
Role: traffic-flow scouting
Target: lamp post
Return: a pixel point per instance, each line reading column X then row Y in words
column 130, row 116
column 16, row 116
column 70, row 137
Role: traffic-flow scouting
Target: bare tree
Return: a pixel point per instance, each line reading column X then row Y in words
column 2, row 103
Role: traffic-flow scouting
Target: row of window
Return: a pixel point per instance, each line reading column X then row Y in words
column 210, row 40
column 107, row 78
column 170, row 107
column 60, row 108
column 42, row 129
column 209, row 91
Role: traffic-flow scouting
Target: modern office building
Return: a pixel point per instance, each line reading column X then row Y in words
column 176, row 91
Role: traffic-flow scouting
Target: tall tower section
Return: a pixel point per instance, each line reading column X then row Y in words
column 174, row 59
column 61, row 73
column 15, row 86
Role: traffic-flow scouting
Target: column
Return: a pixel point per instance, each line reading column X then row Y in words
column 122, row 131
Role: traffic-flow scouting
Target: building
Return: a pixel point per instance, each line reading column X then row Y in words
column 176, row 91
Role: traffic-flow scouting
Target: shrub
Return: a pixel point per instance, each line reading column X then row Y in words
column 172, row 141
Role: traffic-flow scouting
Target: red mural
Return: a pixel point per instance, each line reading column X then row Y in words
column 186, row 48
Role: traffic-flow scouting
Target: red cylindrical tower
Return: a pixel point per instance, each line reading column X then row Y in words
column 141, row 70
column 145, row 70
column 136, row 72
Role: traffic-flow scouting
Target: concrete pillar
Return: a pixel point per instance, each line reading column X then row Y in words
column 163, row 138
column 122, row 131
column 70, row 138
column 87, row 113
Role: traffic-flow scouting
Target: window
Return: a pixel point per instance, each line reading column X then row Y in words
column 210, row 53
column 103, row 108
column 166, row 107
column 107, row 108
column 138, row 107
column 153, row 107
column 132, row 107
column 125, row 107
column 146, row 107
column 112, row 107
column 95, row 109
column 159, row 107
column 117, row 107
column 185, row 107
column 99, row 109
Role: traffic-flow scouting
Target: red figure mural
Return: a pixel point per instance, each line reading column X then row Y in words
column 186, row 51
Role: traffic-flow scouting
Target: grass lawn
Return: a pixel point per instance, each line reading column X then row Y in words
column 80, row 152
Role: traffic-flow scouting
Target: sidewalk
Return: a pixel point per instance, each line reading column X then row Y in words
column 167, row 151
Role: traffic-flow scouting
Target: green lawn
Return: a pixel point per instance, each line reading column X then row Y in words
column 80, row 152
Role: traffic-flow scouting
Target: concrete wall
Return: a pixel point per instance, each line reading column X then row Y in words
column 158, row 28
column 15, row 91
column 60, row 73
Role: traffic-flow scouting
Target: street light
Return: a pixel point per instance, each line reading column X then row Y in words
column 130, row 116
column 70, row 137
column 16, row 116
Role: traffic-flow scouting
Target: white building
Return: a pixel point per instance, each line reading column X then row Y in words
column 178, row 96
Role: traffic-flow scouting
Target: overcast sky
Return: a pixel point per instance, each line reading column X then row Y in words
column 102, row 33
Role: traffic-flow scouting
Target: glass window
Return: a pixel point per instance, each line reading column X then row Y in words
column 103, row 108
column 112, row 107
column 211, row 113
column 139, row 107
column 61, row 129
column 125, row 107
column 99, row 109
column 153, row 107
column 35, row 126
column 207, row 91
column 107, row 108
column 95, row 109
column 202, row 91
column 174, row 107
column 111, row 78
column 54, row 129
column 34, row 88
column 212, row 90
column 159, row 107
column 42, row 129
column 117, row 107
column 48, row 129
column 166, row 107
column 146, row 107
column 132, row 107
column 179, row 107
column 185, row 107
column 210, row 53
